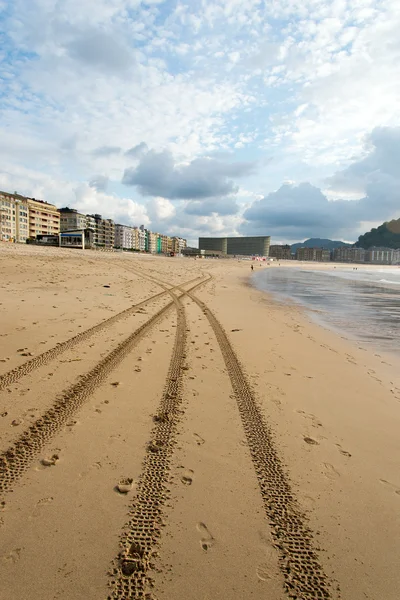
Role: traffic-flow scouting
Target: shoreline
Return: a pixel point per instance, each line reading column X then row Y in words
column 332, row 410
column 330, row 314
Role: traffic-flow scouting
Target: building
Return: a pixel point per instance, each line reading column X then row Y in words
column 178, row 245
column 71, row 219
column 3, row 219
column 280, row 252
column 44, row 218
column 245, row 246
column 163, row 243
column 91, row 224
column 140, row 238
column 349, row 254
column 104, row 231
column 125, row 237
column 152, row 242
column 82, row 238
column 382, row 256
column 217, row 244
column 195, row 252
column 313, row 254
column 14, row 218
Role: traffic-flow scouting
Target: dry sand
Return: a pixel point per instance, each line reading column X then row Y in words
column 259, row 452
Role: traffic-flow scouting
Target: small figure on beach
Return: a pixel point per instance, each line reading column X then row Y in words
column 252, row 267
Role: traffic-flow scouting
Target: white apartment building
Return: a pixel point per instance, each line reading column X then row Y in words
column 14, row 224
column 141, row 239
column 382, row 256
column 125, row 237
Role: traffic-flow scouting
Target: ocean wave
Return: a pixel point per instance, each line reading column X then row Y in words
column 389, row 281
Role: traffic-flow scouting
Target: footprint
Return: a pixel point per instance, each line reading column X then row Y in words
column 49, row 462
column 124, row 485
column 40, row 504
column 187, row 477
column 13, row 556
column 207, row 540
column 310, row 441
column 330, row 472
column 263, row 572
column 199, row 439
column 391, row 485
column 344, row 452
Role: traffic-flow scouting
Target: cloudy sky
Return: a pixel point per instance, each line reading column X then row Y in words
column 205, row 117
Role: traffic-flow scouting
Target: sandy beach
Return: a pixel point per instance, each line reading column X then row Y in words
column 167, row 431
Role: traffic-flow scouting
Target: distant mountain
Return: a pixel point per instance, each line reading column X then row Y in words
column 318, row 243
column 387, row 234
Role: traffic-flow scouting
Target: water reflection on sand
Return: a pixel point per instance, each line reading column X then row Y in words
column 365, row 304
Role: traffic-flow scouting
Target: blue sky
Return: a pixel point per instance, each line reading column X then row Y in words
column 205, row 116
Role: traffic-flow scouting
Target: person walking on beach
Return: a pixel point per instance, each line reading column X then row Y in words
column 252, row 267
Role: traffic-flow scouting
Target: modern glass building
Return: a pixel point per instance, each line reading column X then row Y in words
column 246, row 246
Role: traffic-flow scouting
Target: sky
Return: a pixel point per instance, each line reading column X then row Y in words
column 205, row 117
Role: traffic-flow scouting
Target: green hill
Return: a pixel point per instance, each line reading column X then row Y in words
column 387, row 234
column 318, row 243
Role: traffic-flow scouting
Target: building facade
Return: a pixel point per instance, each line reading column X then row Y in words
column 349, row 254
column 246, row 246
column 104, row 231
column 14, row 218
column 382, row 256
column 44, row 218
column 152, row 242
column 71, row 219
column 140, row 238
column 313, row 254
column 280, row 252
column 178, row 245
column 125, row 237
column 219, row 244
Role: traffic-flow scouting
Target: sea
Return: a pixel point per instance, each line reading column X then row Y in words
column 361, row 303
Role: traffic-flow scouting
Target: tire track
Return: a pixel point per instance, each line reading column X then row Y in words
column 34, row 363
column 129, row 578
column 304, row 578
column 15, row 461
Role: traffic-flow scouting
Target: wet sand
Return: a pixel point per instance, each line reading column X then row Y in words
column 209, row 444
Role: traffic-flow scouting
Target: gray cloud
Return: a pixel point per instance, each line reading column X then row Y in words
column 99, row 183
column 137, row 151
column 158, row 175
column 220, row 206
column 106, row 151
column 101, row 50
column 383, row 160
column 298, row 212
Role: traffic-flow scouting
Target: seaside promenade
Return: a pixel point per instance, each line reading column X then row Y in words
column 167, row 431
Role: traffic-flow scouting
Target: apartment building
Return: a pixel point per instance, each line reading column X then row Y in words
column 313, row 254
column 71, row 219
column 104, row 230
column 14, row 218
column 125, row 237
column 141, row 238
column 163, row 243
column 152, row 242
column 280, row 252
column 178, row 244
column 349, row 254
column 382, row 256
column 44, row 218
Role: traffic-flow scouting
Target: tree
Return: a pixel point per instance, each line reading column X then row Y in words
column 387, row 234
